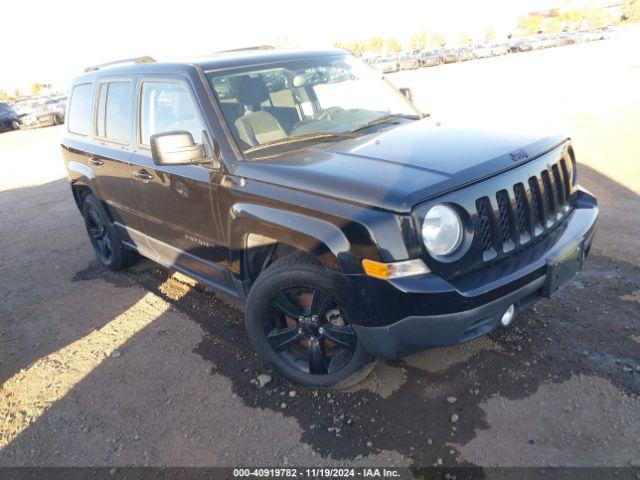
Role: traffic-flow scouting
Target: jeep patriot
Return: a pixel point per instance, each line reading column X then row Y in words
column 308, row 189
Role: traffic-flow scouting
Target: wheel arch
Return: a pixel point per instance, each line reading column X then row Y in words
column 80, row 192
column 260, row 234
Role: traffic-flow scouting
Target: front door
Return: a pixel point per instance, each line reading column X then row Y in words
column 176, row 204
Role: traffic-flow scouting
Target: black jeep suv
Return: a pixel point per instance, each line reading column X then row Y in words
column 310, row 190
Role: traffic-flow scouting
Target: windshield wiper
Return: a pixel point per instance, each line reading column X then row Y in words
column 312, row 137
column 384, row 119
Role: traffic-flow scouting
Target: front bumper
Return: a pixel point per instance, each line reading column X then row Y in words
column 470, row 306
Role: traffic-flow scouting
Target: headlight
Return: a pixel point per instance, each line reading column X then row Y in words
column 441, row 230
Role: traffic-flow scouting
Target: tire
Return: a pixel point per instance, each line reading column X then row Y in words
column 322, row 352
column 104, row 237
column 15, row 125
column 56, row 119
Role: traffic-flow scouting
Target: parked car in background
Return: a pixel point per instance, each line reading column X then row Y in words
column 22, row 107
column 8, row 118
column 565, row 39
column 590, row 35
column 386, row 65
column 430, row 58
column 521, row 46
column 450, row 56
column 62, row 101
column 482, row 51
column 499, row 49
column 43, row 112
column 409, row 62
column 465, row 53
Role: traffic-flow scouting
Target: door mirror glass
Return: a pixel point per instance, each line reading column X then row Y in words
column 175, row 148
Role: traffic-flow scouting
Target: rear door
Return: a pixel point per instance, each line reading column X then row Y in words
column 175, row 204
column 113, row 135
column 99, row 142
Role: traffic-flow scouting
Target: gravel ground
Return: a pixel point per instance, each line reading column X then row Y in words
column 146, row 367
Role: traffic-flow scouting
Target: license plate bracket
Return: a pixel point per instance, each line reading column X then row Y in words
column 561, row 269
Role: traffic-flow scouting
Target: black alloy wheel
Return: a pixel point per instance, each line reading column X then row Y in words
column 104, row 237
column 99, row 234
column 297, row 324
column 309, row 331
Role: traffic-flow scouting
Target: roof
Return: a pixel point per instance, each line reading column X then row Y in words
column 215, row 61
column 256, row 57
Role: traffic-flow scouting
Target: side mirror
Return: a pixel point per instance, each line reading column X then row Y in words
column 407, row 93
column 175, row 148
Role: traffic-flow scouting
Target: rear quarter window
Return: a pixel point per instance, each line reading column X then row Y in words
column 114, row 111
column 79, row 120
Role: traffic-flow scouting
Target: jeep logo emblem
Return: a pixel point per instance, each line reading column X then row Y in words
column 519, row 155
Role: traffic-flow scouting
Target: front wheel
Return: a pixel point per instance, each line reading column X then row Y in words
column 298, row 327
column 104, row 237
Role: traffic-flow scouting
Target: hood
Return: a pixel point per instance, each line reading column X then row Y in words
column 397, row 168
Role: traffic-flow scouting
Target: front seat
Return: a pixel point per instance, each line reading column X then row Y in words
column 256, row 126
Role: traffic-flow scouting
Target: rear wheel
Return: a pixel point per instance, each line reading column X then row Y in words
column 296, row 323
column 104, row 236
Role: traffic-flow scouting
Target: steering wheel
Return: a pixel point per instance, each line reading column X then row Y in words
column 329, row 112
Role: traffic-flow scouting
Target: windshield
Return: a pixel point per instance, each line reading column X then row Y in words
column 284, row 106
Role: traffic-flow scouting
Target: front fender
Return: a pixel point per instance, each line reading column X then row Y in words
column 308, row 234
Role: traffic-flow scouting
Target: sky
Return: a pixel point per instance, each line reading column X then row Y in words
column 56, row 39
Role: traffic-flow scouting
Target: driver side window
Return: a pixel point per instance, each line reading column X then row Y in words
column 165, row 107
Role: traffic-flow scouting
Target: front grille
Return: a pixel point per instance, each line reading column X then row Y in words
column 537, row 213
column 524, row 212
column 521, row 207
column 504, row 208
column 484, row 217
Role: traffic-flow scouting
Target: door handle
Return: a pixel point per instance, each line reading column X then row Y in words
column 143, row 175
column 95, row 161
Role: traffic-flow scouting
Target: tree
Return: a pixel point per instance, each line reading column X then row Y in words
column 529, row 25
column 631, row 10
column 490, row 35
column 597, row 18
column 36, row 88
column 17, row 94
column 355, row 47
column 393, row 45
column 572, row 19
column 436, row 39
column 375, row 45
column 418, row 41
column 552, row 25
column 465, row 40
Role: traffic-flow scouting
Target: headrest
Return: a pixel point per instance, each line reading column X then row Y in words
column 251, row 90
column 299, row 81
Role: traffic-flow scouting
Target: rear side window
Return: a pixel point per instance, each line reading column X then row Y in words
column 79, row 120
column 113, row 120
column 167, row 106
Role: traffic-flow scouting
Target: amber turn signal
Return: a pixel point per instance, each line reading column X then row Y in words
column 386, row 271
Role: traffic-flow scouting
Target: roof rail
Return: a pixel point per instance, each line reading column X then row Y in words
column 135, row 60
column 244, row 49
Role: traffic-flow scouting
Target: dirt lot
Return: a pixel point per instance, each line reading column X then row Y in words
column 148, row 368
